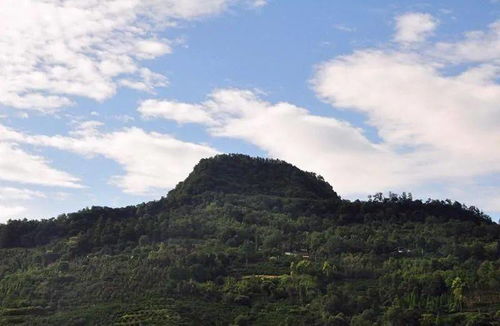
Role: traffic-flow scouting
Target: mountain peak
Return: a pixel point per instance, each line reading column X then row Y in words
column 243, row 174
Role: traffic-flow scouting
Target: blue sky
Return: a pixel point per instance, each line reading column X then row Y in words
column 113, row 103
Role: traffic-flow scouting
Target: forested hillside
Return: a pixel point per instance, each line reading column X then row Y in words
column 251, row 241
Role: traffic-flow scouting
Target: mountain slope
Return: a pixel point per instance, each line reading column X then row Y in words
column 251, row 241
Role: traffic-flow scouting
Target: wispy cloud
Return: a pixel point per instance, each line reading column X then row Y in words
column 151, row 160
column 11, row 193
column 344, row 28
column 17, row 165
column 52, row 51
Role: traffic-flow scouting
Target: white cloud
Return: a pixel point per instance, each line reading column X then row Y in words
column 54, row 50
column 11, row 193
column 414, row 27
column 10, row 212
column 149, row 49
column 411, row 103
column 124, row 118
column 11, row 199
column 448, row 123
column 258, row 3
column 344, row 28
column 181, row 9
column 17, row 165
column 146, row 81
column 180, row 112
column 334, row 148
column 478, row 46
column 151, row 161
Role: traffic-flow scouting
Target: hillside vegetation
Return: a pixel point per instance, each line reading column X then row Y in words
column 251, row 241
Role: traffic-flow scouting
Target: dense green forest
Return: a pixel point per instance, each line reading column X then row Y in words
column 251, row 241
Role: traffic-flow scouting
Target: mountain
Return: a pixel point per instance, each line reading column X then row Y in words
column 242, row 174
column 252, row 241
